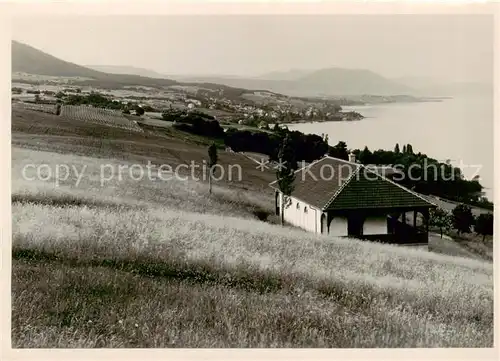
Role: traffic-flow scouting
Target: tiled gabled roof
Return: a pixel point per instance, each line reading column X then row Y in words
column 320, row 181
column 331, row 183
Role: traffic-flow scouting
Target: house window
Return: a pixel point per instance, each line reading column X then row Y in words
column 305, row 209
column 298, row 205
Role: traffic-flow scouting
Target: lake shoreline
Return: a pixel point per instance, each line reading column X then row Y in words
column 351, row 115
column 423, row 125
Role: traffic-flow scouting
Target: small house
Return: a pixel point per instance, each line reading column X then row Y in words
column 346, row 199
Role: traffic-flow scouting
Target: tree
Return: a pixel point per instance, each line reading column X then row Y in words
column 365, row 156
column 404, row 149
column 462, row 218
column 285, row 173
column 441, row 219
column 409, row 149
column 484, row 224
column 339, row 151
column 212, row 161
column 139, row 111
column 396, row 149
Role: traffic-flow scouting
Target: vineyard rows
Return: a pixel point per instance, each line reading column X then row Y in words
column 45, row 108
column 98, row 115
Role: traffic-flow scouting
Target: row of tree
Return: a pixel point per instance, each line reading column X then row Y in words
column 98, row 100
column 306, row 147
column 94, row 99
column 195, row 122
column 426, row 175
column 462, row 220
column 178, row 115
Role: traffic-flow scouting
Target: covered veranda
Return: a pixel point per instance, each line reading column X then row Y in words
column 404, row 225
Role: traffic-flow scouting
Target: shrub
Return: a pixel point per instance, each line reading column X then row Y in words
column 462, row 218
column 441, row 219
column 139, row 111
column 484, row 224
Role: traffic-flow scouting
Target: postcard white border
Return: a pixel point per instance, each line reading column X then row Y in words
column 145, row 7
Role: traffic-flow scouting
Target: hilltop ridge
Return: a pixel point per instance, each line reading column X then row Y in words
column 27, row 59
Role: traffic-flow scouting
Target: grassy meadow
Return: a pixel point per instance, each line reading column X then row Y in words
column 164, row 264
column 142, row 263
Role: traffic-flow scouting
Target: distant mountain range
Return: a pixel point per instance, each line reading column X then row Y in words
column 323, row 82
column 335, row 82
column 345, row 82
column 292, row 74
column 295, row 82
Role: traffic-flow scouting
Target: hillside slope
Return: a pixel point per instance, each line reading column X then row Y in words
column 28, row 59
column 149, row 264
column 131, row 70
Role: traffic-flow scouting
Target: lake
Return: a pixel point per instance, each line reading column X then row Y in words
column 459, row 129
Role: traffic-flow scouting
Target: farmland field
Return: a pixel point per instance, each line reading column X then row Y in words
column 44, row 108
column 156, row 122
column 154, row 115
column 98, row 115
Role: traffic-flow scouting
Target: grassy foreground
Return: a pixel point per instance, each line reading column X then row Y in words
column 145, row 264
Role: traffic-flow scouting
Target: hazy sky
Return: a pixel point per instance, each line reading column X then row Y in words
column 451, row 47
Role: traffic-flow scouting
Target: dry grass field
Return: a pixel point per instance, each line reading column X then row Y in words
column 143, row 263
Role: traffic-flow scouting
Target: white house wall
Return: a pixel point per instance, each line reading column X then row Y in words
column 375, row 225
column 296, row 216
column 311, row 220
column 338, row 227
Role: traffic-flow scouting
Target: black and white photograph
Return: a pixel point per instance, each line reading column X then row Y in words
column 225, row 181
